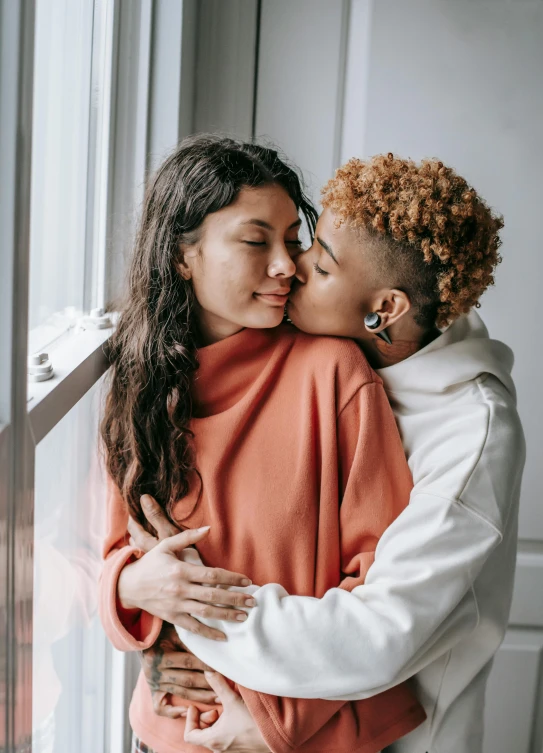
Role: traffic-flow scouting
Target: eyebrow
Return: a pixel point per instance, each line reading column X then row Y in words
column 267, row 225
column 328, row 249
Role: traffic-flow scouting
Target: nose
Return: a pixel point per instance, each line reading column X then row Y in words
column 282, row 264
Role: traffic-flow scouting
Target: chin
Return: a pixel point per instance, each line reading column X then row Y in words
column 267, row 319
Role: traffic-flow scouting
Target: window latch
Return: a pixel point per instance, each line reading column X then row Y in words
column 97, row 319
column 40, row 368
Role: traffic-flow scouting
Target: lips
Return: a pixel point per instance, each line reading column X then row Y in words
column 275, row 298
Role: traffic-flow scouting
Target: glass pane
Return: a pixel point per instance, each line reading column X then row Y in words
column 70, row 651
column 61, row 113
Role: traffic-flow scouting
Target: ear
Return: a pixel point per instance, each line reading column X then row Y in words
column 187, row 254
column 391, row 305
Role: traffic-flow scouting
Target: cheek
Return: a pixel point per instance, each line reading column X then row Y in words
column 325, row 307
column 223, row 283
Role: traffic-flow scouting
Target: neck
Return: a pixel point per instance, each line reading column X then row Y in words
column 406, row 341
column 212, row 329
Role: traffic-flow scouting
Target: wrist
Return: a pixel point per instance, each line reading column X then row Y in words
column 126, row 594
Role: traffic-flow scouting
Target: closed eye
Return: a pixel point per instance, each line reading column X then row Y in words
column 255, row 243
column 318, row 270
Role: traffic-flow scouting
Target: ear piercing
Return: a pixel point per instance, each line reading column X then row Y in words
column 372, row 322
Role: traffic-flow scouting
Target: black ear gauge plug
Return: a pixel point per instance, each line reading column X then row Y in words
column 372, row 322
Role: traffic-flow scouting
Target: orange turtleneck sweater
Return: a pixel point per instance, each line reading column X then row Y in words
column 303, row 470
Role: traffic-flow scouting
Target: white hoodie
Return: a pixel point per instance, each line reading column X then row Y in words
column 436, row 601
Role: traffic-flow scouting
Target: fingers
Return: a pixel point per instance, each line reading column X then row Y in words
column 197, row 731
column 209, row 612
column 182, row 660
column 220, row 596
column 179, row 541
column 216, row 576
column 163, row 708
column 193, row 722
column 221, row 687
column 209, row 717
column 198, row 628
column 139, row 536
column 157, row 517
column 184, row 678
column 188, row 694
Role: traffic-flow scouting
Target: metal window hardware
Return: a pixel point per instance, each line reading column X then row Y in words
column 40, row 368
column 97, row 319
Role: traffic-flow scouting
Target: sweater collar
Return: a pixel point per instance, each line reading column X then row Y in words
column 229, row 367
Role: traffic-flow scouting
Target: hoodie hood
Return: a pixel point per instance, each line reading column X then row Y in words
column 460, row 354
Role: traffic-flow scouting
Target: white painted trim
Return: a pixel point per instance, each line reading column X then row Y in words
column 527, row 607
column 142, row 98
column 79, row 360
column 103, row 72
column 342, row 81
column 353, row 139
column 131, row 93
column 17, row 24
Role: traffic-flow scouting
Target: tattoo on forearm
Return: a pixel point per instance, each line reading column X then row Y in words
column 153, row 658
column 155, row 668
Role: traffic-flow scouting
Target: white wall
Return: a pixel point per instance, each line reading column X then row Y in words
column 462, row 81
column 300, row 82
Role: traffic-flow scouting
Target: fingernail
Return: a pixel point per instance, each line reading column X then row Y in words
column 250, row 602
column 205, row 528
column 208, row 673
column 217, row 699
column 241, row 617
column 182, row 709
column 246, row 582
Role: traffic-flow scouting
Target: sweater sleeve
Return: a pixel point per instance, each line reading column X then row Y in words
column 375, row 483
column 132, row 630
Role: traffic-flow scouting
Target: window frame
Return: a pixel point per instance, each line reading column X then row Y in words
column 29, row 411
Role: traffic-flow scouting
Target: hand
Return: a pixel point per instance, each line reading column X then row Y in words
column 166, row 587
column 235, row 730
column 157, row 518
column 171, row 670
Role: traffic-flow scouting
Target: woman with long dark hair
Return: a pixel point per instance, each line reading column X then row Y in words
column 283, row 444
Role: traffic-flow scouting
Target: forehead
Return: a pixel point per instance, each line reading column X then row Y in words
column 270, row 204
column 347, row 242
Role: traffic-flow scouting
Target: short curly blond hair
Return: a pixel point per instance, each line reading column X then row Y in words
column 441, row 239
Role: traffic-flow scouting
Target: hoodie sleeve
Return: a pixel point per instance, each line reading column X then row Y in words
column 417, row 602
column 375, row 483
column 132, row 630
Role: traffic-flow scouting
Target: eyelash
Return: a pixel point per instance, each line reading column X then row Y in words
column 318, row 270
column 298, row 244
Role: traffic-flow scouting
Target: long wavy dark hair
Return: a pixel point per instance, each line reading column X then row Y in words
column 146, row 425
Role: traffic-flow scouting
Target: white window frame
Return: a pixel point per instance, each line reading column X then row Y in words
column 130, row 34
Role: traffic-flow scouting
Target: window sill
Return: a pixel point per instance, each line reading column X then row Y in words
column 79, row 360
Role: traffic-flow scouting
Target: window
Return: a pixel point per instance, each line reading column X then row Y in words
column 75, row 104
column 70, row 134
column 70, row 652
column 90, row 94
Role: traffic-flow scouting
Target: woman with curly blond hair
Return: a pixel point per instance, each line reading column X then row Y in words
column 402, row 253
